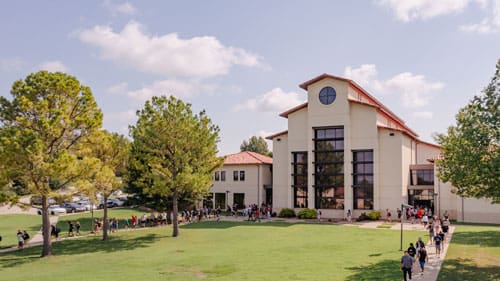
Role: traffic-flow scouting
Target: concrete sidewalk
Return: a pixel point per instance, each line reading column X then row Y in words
column 433, row 266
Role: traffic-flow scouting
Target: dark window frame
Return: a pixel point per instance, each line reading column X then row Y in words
column 300, row 193
column 223, row 176
column 329, row 167
column 242, row 175
column 362, row 167
column 235, row 175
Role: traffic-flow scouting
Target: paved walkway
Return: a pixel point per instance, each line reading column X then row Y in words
column 36, row 240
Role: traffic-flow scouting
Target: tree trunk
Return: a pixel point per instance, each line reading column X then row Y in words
column 175, row 222
column 105, row 223
column 47, row 243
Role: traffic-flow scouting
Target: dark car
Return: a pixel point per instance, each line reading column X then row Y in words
column 72, row 207
column 37, row 200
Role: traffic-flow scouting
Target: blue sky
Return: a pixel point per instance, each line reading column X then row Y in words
column 242, row 61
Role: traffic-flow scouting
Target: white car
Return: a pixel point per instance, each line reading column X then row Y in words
column 54, row 210
column 87, row 205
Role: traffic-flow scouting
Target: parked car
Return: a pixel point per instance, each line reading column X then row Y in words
column 72, row 207
column 54, row 210
column 87, row 205
column 37, row 200
column 112, row 203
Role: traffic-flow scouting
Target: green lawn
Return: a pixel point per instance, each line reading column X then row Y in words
column 219, row 251
column 11, row 223
column 474, row 254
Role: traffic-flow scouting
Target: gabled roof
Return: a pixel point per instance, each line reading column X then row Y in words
column 247, row 158
column 276, row 135
column 371, row 101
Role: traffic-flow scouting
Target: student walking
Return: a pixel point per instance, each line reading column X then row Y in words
column 422, row 259
column 71, row 229
column 349, row 216
column 406, row 265
column 412, row 251
column 437, row 243
column 20, row 240
column 78, row 226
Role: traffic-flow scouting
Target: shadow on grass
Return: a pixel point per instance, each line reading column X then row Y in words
column 80, row 246
column 229, row 224
column 463, row 269
column 383, row 270
column 480, row 238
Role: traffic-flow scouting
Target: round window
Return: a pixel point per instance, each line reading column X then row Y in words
column 327, row 95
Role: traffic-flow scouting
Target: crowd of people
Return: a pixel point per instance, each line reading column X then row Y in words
column 438, row 228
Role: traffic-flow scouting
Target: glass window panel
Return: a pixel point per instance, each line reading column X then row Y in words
column 235, row 175
column 339, row 133
column 301, row 169
column 330, row 133
column 329, row 157
column 320, row 134
column 242, row 175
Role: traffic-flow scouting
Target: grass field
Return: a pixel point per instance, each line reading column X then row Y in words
column 10, row 223
column 219, row 251
column 474, row 254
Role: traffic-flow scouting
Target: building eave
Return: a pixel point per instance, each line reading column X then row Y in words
column 276, row 135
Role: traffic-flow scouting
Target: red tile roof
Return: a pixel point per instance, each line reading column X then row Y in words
column 246, row 158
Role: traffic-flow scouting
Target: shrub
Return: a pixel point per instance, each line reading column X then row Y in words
column 307, row 214
column 362, row 217
column 374, row 215
column 286, row 213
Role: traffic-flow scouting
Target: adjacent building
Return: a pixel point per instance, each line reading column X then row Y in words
column 244, row 179
column 344, row 150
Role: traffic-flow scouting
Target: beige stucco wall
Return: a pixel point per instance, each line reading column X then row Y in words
column 282, row 192
column 477, row 210
column 393, row 152
column 390, row 192
column 256, row 176
column 335, row 114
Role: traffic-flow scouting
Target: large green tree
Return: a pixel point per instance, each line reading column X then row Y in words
column 48, row 115
column 173, row 152
column 471, row 148
column 256, row 144
column 109, row 153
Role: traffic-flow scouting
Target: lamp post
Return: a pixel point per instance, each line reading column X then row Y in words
column 436, row 205
column 403, row 205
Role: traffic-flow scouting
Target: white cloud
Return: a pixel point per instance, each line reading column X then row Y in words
column 487, row 25
column 177, row 88
column 414, row 90
column 124, row 8
column 272, row 101
column 423, row 115
column 119, row 121
column 117, row 89
column 12, row 65
column 167, row 55
column 53, row 66
column 410, row 10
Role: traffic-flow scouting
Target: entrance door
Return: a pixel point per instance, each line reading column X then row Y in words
column 421, row 198
column 269, row 196
column 239, row 201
